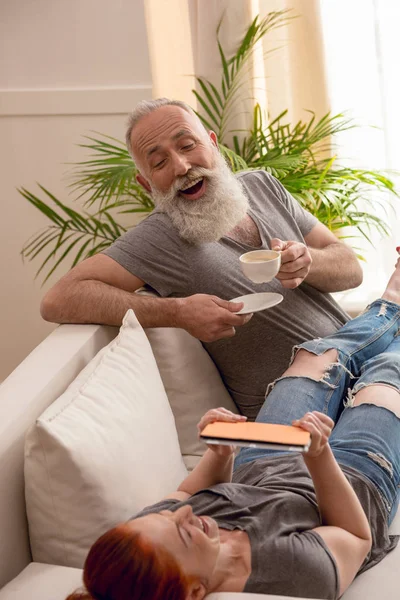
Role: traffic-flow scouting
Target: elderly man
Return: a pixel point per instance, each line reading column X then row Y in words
column 188, row 250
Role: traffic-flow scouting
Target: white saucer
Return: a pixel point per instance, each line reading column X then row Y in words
column 256, row 302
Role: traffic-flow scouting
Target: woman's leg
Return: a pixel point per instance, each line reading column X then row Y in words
column 367, row 436
column 324, row 369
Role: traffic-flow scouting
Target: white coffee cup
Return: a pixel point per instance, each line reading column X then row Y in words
column 260, row 266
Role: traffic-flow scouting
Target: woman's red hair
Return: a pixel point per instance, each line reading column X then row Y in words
column 122, row 565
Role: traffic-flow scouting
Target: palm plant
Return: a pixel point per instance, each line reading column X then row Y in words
column 295, row 154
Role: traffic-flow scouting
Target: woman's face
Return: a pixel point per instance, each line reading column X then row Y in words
column 193, row 541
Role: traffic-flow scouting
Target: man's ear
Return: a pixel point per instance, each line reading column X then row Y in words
column 143, row 182
column 213, row 137
column 197, row 591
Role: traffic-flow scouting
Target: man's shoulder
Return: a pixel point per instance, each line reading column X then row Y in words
column 155, row 228
column 260, row 186
column 156, row 220
column 254, row 175
column 257, row 179
column 155, row 216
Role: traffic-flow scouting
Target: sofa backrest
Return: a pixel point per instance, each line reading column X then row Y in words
column 191, row 380
column 24, row 395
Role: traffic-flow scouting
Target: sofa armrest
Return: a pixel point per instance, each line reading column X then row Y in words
column 24, row 395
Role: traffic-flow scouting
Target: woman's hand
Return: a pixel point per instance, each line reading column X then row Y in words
column 220, row 414
column 320, row 426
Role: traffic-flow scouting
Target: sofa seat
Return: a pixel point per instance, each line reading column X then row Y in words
column 42, row 582
column 49, row 582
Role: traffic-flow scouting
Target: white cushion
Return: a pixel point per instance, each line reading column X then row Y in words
column 42, row 582
column 103, row 450
column 192, row 382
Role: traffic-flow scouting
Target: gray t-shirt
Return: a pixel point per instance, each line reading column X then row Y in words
column 260, row 350
column 273, row 500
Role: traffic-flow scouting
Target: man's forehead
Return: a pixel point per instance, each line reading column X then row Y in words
column 164, row 124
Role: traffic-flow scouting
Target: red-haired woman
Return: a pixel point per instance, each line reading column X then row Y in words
column 290, row 524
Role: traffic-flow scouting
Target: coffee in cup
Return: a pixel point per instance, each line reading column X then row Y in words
column 260, row 266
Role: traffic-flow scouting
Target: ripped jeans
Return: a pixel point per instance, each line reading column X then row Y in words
column 365, row 437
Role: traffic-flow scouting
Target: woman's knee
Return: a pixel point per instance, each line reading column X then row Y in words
column 379, row 383
column 308, row 364
column 383, row 368
column 379, row 394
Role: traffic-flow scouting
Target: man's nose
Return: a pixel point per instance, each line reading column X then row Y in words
column 181, row 165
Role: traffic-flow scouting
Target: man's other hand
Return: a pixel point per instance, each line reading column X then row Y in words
column 295, row 262
column 209, row 318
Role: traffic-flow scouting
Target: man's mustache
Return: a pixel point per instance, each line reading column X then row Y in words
column 184, row 181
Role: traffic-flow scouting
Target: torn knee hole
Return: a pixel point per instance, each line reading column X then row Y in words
column 349, row 401
column 314, row 366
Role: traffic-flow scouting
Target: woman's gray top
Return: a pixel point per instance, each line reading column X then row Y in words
column 273, row 500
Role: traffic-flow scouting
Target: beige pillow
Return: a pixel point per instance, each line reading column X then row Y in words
column 102, row 451
column 192, row 382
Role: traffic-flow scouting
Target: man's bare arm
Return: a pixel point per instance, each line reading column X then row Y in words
column 323, row 262
column 99, row 290
column 334, row 265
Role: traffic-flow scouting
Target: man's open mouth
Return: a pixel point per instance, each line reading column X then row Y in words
column 192, row 188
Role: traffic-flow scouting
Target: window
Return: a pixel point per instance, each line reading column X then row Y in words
column 362, row 46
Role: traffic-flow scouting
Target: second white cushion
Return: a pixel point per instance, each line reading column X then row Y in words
column 105, row 449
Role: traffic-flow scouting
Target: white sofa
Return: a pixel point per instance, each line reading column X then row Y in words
column 24, row 395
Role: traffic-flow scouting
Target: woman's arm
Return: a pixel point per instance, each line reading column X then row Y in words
column 337, row 501
column 216, row 464
column 345, row 530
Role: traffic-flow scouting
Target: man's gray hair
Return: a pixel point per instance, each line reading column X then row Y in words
column 145, row 107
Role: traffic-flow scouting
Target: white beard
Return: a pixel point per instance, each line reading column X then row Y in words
column 222, row 207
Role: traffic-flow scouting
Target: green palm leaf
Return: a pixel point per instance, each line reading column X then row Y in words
column 235, row 161
column 218, row 104
column 109, row 176
column 86, row 233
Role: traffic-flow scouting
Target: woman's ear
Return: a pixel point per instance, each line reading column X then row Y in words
column 143, row 182
column 197, row 591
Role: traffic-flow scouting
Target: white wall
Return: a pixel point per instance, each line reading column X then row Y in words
column 66, row 68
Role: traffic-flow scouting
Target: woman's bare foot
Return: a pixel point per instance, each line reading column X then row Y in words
column 392, row 292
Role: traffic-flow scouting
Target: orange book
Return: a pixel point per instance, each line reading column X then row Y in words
column 257, row 435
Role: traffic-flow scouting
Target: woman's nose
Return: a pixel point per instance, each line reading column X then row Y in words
column 184, row 512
